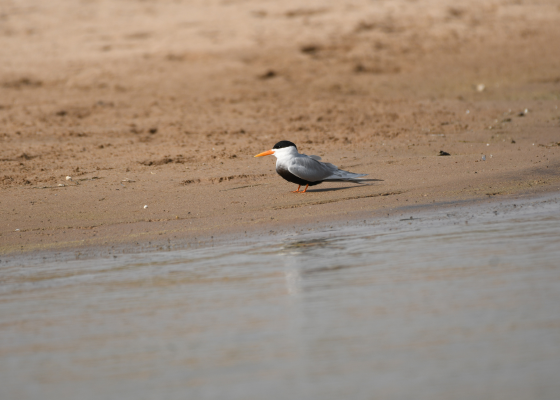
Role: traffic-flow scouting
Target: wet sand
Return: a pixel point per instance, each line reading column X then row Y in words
column 164, row 104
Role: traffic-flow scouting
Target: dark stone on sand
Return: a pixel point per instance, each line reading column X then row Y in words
column 268, row 75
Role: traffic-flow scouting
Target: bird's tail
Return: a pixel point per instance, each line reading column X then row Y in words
column 345, row 176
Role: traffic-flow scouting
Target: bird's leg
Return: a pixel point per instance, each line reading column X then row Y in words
column 304, row 190
column 296, row 191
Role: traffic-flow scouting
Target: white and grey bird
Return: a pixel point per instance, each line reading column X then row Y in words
column 306, row 170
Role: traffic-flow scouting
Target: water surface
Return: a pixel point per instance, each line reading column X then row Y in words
column 461, row 303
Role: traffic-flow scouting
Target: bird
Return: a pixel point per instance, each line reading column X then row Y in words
column 302, row 169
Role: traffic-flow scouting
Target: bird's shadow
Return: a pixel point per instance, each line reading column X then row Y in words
column 334, row 189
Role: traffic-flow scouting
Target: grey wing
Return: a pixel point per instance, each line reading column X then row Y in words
column 309, row 169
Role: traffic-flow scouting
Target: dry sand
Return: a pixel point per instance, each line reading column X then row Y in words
column 165, row 103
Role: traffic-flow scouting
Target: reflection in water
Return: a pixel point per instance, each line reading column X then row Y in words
column 293, row 249
column 293, row 276
column 300, row 246
column 290, row 251
column 429, row 308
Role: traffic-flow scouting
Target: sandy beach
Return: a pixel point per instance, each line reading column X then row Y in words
column 108, row 107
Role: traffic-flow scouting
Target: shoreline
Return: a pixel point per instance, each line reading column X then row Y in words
column 109, row 211
column 153, row 242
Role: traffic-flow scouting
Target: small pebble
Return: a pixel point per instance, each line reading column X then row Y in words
column 483, row 158
column 480, row 87
column 68, row 178
column 146, row 206
column 468, row 111
column 61, row 184
column 17, row 230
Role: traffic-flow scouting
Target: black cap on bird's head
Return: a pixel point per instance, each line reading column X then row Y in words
column 284, row 143
column 280, row 145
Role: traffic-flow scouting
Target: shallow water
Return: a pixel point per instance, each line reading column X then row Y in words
column 461, row 303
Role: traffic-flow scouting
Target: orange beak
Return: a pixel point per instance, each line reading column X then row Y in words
column 265, row 153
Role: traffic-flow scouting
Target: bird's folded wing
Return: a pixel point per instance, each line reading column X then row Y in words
column 313, row 157
column 309, row 169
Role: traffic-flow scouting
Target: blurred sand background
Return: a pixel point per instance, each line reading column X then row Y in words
column 164, row 103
